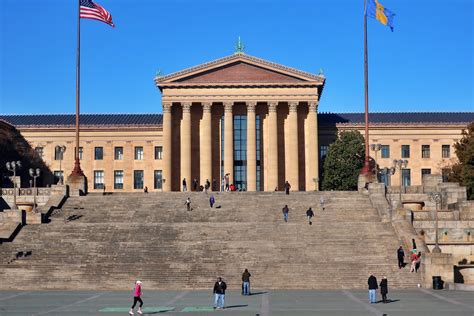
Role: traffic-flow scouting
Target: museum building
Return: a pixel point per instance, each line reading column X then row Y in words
column 239, row 115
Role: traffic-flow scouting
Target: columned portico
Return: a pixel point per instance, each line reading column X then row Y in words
column 262, row 109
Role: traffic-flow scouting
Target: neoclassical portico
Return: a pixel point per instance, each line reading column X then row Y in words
column 244, row 116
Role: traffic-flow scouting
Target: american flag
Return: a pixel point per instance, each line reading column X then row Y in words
column 92, row 10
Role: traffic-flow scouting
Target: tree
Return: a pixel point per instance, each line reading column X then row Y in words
column 344, row 160
column 463, row 170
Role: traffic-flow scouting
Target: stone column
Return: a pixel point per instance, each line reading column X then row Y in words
column 272, row 165
column 229, row 140
column 251, row 148
column 186, row 145
column 205, row 144
column 292, row 145
column 311, row 147
column 167, row 174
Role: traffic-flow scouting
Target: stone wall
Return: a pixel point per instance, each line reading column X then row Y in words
column 437, row 264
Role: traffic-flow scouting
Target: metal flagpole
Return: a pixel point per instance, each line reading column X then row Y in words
column 77, row 164
column 366, row 168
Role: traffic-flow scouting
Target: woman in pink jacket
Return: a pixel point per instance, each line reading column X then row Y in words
column 137, row 293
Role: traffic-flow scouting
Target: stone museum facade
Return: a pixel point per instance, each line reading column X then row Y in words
column 255, row 120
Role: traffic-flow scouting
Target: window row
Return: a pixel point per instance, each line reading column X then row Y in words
column 425, row 151
column 99, row 153
column 138, row 179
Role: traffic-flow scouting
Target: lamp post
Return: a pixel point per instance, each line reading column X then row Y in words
column 34, row 173
column 61, row 149
column 13, row 166
column 437, row 198
column 388, row 172
column 400, row 164
column 376, row 148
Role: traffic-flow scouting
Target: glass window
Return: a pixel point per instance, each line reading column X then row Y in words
column 58, row 175
column 258, row 144
column 39, row 151
column 158, row 179
column 446, row 151
column 98, row 179
column 98, row 153
column 445, row 174
column 405, row 151
column 240, row 152
column 118, row 153
column 385, row 150
column 118, row 179
column 425, row 171
column 58, row 153
column 138, row 153
column 81, row 152
column 323, row 151
column 406, row 177
column 158, row 152
column 425, row 151
column 138, row 179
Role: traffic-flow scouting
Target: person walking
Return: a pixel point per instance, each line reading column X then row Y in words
column 137, row 293
column 285, row 211
column 185, row 188
column 414, row 259
column 418, row 261
column 373, row 286
column 246, row 282
column 145, row 190
column 309, row 215
column 384, row 289
column 188, row 204
column 227, row 181
column 195, row 184
column 287, row 187
column 212, row 201
column 207, row 184
column 321, row 202
column 219, row 293
column 214, row 184
column 401, row 257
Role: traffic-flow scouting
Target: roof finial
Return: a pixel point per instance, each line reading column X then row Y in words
column 239, row 47
column 321, row 72
column 158, row 73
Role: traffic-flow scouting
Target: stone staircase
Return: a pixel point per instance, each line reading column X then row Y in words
column 108, row 242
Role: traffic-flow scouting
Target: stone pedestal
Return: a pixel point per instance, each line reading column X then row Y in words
column 437, row 264
column 77, row 185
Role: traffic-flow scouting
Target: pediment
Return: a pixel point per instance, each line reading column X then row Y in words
column 239, row 69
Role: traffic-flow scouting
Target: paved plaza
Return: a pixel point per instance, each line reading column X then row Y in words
column 263, row 303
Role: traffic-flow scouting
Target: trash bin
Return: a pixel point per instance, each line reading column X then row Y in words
column 437, row 283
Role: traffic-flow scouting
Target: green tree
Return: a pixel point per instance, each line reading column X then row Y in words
column 463, row 170
column 344, row 161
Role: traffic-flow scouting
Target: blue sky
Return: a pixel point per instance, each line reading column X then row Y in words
column 426, row 64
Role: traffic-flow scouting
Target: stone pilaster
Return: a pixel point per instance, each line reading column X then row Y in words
column 186, row 145
column 205, row 144
column 272, row 158
column 251, row 148
column 167, row 174
column 229, row 140
column 311, row 147
column 291, row 160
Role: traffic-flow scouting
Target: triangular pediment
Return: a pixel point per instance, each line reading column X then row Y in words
column 239, row 69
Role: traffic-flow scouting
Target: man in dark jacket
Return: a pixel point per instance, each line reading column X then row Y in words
column 373, row 286
column 219, row 293
column 285, row 211
column 309, row 215
column 384, row 289
column 246, row 282
column 401, row 257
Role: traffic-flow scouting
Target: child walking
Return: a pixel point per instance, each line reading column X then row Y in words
column 137, row 293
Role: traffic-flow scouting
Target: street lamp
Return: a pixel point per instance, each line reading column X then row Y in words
column 13, row 166
column 400, row 164
column 375, row 148
column 34, row 173
column 436, row 197
column 388, row 172
column 60, row 149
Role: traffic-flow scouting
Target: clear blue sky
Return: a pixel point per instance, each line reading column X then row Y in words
column 426, row 64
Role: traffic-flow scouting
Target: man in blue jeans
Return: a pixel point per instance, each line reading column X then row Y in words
column 219, row 293
column 373, row 286
column 246, row 282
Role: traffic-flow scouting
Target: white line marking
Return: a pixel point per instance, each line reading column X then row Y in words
column 367, row 306
column 265, row 307
column 12, row 296
column 176, row 298
column 72, row 304
column 449, row 300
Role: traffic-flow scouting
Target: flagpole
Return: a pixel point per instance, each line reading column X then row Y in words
column 77, row 164
column 366, row 168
